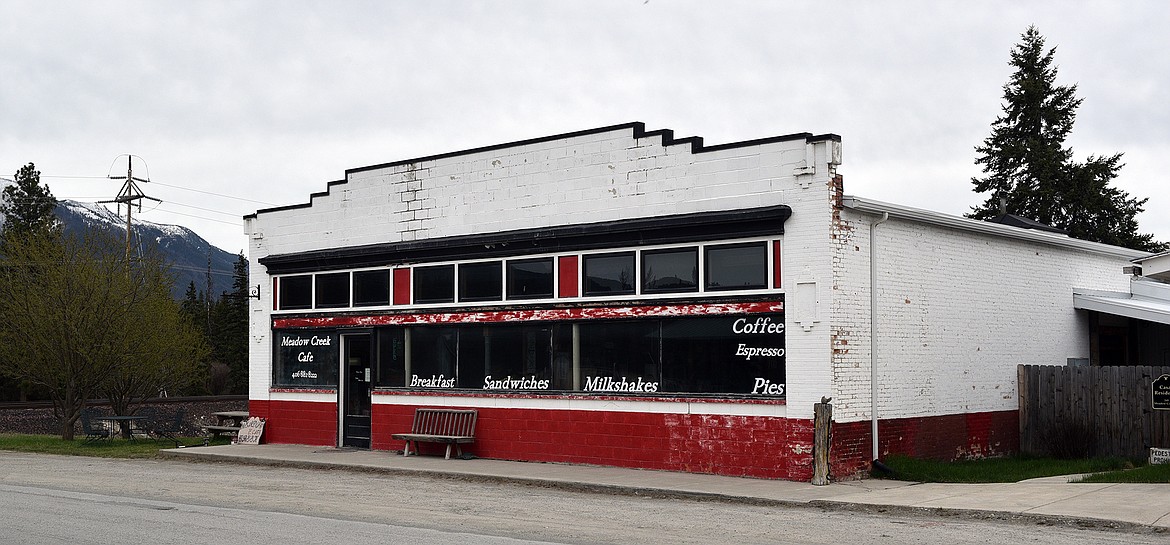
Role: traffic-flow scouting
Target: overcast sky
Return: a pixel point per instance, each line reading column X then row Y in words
column 235, row 106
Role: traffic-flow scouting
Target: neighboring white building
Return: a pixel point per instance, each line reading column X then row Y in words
column 617, row 296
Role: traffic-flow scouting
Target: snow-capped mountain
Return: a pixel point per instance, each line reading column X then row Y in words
column 188, row 252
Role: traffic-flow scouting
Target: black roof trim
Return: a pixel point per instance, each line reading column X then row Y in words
column 638, row 128
column 677, row 228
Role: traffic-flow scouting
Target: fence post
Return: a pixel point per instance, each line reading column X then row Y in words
column 822, row 434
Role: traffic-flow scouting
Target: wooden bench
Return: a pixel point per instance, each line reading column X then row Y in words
column 450, row 426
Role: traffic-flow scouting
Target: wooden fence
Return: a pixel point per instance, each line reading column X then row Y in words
column 1104, row 411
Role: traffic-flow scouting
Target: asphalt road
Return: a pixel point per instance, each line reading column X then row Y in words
column 55, row 499
column 36, row 516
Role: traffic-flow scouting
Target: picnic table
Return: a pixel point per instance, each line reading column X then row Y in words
column 228, row 422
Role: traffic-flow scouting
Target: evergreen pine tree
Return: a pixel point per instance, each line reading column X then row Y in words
column 27, row 206
column 26, row 209
column 1028, row 167
column 236, row 324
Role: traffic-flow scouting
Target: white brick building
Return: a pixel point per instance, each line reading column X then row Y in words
column 547, row 283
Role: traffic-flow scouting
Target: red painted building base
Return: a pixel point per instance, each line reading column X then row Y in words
column 742, row 446
column 948, row 437
column 764, row 447
column 297, row 422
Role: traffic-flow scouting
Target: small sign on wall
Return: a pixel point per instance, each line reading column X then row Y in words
column 1160, row 393
column 250, row 431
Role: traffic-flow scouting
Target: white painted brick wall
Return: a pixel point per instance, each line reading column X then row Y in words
column 958, row 311
column 584, row 179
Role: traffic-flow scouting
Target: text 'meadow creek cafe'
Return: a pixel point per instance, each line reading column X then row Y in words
column 621, row 297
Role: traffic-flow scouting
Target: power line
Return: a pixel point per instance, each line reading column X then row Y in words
column 158, row 207
column 213, row 193
column 236, row 223
column 204, row 209
column 92, row 200
column 171, row 186
column 75, row 177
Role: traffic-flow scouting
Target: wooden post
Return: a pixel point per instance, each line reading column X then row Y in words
column 822, row 433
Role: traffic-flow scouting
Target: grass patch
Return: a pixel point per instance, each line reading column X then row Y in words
column 1146, row 474
column 115, row 448
column 997, row 470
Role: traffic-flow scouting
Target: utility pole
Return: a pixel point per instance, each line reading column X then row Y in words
column 130, row 195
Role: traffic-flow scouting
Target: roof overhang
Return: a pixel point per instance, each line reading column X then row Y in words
column 1156, row 266
column 1147, row 300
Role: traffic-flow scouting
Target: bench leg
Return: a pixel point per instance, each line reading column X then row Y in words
column 406, row 451
column 448, row 457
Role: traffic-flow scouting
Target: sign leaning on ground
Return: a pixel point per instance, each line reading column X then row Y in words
column 1160, row 400
column 1160, row 393
column 250, row 431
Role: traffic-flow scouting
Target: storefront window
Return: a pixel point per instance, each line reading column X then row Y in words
column 512, row 357
column 480, row 281
column 435, row 284
column 371, row 288
column 736, row 266
column 306, row 359
column 332, row 290
column 391, row 362
column 620, row 356
column 609, row 274
column 530, row 278
column 725, row 354
column 670, row 271
column 433, row 354
column 296, row 292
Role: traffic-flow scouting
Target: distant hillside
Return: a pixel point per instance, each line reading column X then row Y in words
column 187, row 251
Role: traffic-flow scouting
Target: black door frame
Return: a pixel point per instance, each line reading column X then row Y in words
column 349, row 385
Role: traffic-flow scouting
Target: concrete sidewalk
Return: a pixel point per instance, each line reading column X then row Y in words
column 1053, row 497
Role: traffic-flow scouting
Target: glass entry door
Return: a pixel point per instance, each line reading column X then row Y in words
column 357, row 351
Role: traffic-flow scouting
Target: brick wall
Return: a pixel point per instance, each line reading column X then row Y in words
column 958, row 310
column 297, row 422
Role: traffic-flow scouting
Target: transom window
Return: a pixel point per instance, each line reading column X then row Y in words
column 480, row 281
column 737, row 266
column 296, row 292
column 674, row 270
column 609, row 274
column 332, row 290
column 530, row 278
column 371, row 288
column 435, row 284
